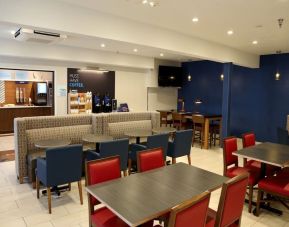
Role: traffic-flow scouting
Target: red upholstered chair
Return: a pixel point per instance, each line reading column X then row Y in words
column 231, row 203
column 230, row 146
column 192, row 212
column 276, row 186
column 249, row 140
column 99, row 171
column 150, row 159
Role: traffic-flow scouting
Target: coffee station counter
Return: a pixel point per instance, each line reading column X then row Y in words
column 9, row 112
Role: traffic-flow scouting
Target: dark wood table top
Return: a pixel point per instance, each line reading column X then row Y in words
column 270, row 153
column 92, row 138
column 144, row 196
column 138, row 133
column 50, row 143
column 164, row 130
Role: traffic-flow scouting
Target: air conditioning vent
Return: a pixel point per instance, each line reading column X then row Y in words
column 37, row 36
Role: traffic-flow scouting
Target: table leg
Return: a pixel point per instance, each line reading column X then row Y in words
column 138, row 140
column 206, row 133
column 220, row 135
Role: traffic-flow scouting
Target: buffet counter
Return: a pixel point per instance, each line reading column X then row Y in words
column 8, row 113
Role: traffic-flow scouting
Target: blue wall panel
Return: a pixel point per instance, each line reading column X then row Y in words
column 205, row 85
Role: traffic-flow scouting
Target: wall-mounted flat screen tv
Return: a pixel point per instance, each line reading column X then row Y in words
column 170, row 76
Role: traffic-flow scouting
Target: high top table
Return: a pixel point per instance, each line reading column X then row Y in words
column 141, row 197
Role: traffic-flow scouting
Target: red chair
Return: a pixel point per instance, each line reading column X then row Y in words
column 249, row 140
column 192, row 212
column 230, row 146
column 277, row 186
column 99, row 171
column 150, row 159
column 231, row 203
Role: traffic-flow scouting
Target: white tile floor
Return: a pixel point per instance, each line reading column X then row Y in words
column 6, row 143
column 20, row 207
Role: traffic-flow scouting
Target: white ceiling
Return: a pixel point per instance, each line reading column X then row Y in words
column 250, row 20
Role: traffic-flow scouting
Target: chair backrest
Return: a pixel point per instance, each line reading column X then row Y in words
column 182, row 142
column 229, row 146
column 64, row 164
column 113, row 148
column 101, row 170
column 248, row 139
column 191, row 213
column 150, row 159
column 177, row 116
column 232, row 201
column 198, row 119
column 282, row 136
column 159, row 140
column 163, row 115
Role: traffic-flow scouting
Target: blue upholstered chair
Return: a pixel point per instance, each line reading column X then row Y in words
column 154, row 141
column 62, row 165
column 112, row 148
column 181, row 145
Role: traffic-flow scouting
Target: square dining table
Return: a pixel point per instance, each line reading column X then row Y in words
column 141, row 197
column 267, row 153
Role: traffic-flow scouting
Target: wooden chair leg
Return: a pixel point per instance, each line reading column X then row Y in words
column 259, row 198
column 193, row 140
column 250, row 198
column 124, row 173
column 69, row 186
column 37, row 187
column 80, row 191
column 129, row 166
column 49, row 199
column 189, row 159
column 173, row 160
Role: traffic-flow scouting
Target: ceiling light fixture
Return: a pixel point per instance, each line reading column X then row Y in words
column 102, row 45
column 150, row 3
column 230, row 32
column 135, row 50
column 255, row 42
column 12, row 32
column 195, row 19
column 161, row 54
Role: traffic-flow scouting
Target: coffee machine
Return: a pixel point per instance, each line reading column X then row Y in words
column 40, row 93
column 96, row 103
column 107, row 107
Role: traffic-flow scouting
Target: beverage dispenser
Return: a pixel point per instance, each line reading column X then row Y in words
column 40, row 93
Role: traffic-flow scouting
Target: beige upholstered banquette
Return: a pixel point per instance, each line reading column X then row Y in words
column 27, row 130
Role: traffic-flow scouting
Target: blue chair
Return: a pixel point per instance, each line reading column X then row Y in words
column 62, row 165
column 283, row 137
column 112, row 148
column 181, row 145
column 154, row 141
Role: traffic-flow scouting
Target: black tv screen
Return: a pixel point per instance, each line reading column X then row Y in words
column 170, row 76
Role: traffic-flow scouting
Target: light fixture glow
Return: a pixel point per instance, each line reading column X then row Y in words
column 189, row 77
column 135, row 50
column 161, row 54
column 255, row 42
column 102, row 45
column 195, row 19
column 230, row 32
column 12, row 32
column 144, row 2
column 152, row 4
column 277, row 76
column 222, row 77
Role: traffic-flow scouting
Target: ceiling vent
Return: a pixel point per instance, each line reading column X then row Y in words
column 37, row 36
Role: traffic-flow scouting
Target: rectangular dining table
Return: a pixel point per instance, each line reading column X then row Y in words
column 141, row 197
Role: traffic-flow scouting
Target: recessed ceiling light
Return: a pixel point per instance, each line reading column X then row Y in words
column 135, row 50
column 230, row 32
column 255, row 42
column 195, row 19
column 152, row 4
column 102, row 45
column 12, row 32
column 144, row 2
column 161, row 54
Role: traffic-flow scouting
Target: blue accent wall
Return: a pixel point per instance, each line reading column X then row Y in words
column 255, row 101
column 205, row 85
